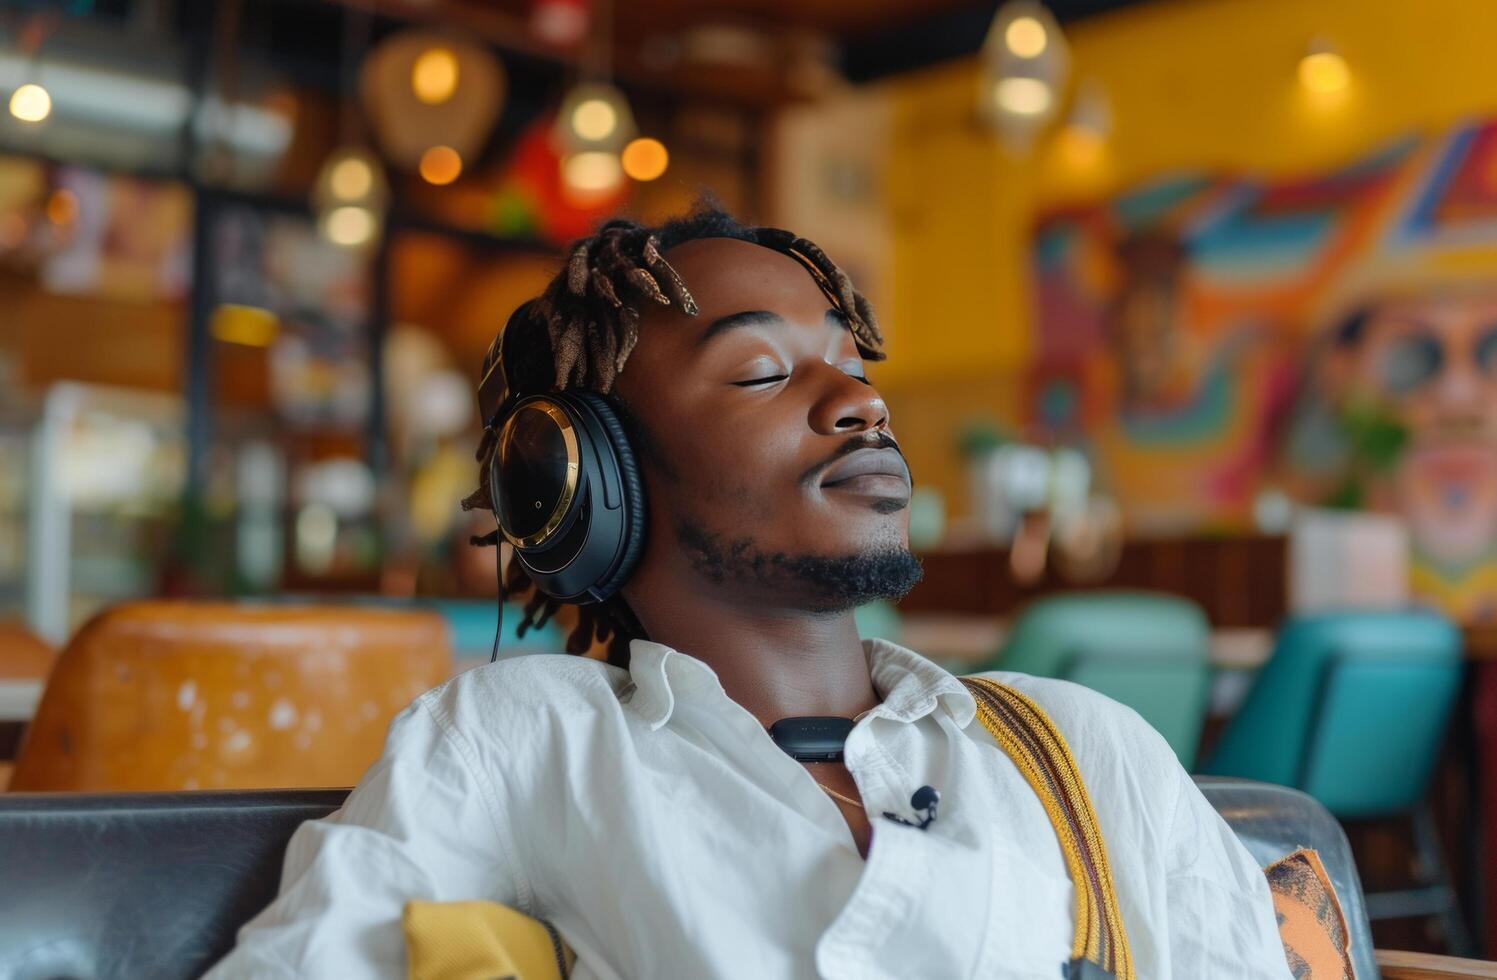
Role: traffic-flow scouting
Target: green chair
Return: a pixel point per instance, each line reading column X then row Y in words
column 1150, row 652
column 1352, row 708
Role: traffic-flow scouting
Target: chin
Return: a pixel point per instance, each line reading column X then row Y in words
column 827, row 572
column 872, row 536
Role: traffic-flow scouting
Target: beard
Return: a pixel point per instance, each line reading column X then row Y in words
column 813, row 583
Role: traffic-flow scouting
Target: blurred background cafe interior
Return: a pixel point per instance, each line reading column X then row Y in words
column 1191, row 309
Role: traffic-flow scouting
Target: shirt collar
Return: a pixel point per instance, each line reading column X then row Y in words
column 911, row 686
column 660, row 676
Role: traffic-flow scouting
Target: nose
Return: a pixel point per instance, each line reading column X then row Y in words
column 1459, row 388
column 847, row 406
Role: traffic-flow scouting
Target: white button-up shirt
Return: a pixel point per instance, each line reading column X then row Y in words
column 652, row 820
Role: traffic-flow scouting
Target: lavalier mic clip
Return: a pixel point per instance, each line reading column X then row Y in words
column 923, row 802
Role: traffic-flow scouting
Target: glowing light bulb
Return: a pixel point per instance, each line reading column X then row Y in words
column 593, row 171
column 441, row 165
column 434, row 76
column 1026, row 37
column 30, row 103
column 349, row 226
column 351, row 179
column 645, row 158
column 1324, row 72
column 1023, row 96
column 594, row 120
column 62, row 207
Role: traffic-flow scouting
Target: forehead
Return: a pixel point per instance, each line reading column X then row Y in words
column 728, row 276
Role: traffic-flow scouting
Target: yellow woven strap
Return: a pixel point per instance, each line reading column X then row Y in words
column 1031, row 740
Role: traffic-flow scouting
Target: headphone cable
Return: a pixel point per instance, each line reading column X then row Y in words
column 498, row 574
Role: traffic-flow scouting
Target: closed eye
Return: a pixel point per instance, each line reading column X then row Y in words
column 751, row 382
column 854, row 370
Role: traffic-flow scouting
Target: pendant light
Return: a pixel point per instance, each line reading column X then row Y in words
column 351, row 196
column 432, row 100
column 30, row 102
column 594, row 123
column 1025, row 61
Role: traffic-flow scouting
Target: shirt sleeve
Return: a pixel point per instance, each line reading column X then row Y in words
column 1221, row 916
column 422, row 823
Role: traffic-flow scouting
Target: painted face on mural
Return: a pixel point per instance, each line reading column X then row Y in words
column 1431, row 363
column 1145, row 319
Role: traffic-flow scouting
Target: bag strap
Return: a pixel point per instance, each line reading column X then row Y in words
column 1029, row 738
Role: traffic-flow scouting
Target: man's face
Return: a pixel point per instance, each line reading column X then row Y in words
column 752, row 407
column 1432, row 362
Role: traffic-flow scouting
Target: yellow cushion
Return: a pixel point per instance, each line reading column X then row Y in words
column 480, row 941
column 1311, row 924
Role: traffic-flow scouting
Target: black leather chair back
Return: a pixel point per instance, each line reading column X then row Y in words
column 138, row 885
column 155, row 885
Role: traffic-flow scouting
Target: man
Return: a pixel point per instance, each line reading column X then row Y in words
column 641, row 806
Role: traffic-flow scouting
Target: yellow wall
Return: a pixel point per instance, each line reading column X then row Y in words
column 1193, row 84
column 1198, row 84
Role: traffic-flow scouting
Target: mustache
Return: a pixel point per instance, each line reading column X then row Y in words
column 871, row 440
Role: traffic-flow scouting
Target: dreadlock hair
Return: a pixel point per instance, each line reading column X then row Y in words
column 580, row 332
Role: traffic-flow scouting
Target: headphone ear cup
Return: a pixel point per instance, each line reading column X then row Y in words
column 631, row 483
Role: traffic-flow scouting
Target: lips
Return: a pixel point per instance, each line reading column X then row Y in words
column 874, row 472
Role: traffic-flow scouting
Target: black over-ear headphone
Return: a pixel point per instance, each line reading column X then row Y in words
column 564, row 484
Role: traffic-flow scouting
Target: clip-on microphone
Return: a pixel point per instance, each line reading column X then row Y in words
column 924, row 801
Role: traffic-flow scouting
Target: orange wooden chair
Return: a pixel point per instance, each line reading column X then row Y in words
column 180, row 695
column 25, row 660
column 23, row 655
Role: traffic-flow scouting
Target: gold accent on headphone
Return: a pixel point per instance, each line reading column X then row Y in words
column 569, row 486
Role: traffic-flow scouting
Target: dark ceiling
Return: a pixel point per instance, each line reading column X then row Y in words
column 869, row 39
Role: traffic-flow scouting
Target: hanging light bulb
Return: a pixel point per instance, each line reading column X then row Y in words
column 350, row 198
column 1084, row 136
column 350, row 225
column 592, row 172
column 592, row 128
column 1323, row 70
column 594, row 117
column 434, row 76
column 645, row 159
column 1025, row 64
column 1026, row 36
column 1023, row 96
column 31, row 103
column 441, row 165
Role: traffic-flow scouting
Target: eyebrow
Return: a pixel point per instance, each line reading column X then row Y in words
column 759, row 318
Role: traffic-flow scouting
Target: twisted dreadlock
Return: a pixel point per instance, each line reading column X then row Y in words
column 581, row 330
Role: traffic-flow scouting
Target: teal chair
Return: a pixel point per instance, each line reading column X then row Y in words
column 473, row 621
column 1352, row 708
column 1150, row 652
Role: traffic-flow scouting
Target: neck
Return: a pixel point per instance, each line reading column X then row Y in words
column 776, row 663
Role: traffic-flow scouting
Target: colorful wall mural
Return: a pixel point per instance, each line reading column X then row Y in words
column 1207, row 338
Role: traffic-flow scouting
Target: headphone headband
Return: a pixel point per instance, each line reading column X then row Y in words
column 493, row 391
